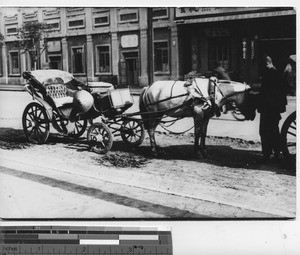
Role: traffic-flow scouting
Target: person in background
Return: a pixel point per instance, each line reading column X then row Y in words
column 272, row 102
column 289, row 76
column 221, row 74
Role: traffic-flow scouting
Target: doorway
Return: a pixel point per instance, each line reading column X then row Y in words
column 55, row 62
column 130, row 69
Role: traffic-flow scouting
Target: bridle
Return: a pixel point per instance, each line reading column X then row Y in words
column 216, row 86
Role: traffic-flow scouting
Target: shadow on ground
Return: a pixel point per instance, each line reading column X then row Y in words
column 227, row 152
column 218, row 155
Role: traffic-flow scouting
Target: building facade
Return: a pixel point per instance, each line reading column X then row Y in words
column 136, row 46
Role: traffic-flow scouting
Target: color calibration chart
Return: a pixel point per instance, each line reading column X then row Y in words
column 38, row 240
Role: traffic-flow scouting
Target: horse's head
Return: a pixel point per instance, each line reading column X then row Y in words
column 241, row 95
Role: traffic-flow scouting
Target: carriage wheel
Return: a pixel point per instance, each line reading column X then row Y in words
column 236, row 113
column 36, row 123
column 60, row 124
column 288, row 136
column 100, row 138
column 80, row 127
column 132, row 132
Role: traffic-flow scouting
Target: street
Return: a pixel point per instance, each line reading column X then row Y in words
column 12, row 105
column 63, row 179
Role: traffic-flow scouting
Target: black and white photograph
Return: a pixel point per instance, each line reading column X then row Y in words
column 147, row 113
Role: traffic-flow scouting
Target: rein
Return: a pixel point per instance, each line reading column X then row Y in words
column 222, row 94
column 166, row 99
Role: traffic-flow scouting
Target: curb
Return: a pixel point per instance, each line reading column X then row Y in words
column 12, row 88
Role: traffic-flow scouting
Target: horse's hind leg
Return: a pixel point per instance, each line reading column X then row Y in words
column 150, row 124
column 200, row 123
column 153, row 146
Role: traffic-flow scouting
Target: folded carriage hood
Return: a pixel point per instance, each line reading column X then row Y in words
column 48, row 76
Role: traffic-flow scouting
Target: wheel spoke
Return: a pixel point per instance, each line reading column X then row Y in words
column 293, row 127
column 38, row 117
column 30, row 132
column 76, row 128
column 291, row 133
column 44, row 127
column 291, row 144
column 78, row 124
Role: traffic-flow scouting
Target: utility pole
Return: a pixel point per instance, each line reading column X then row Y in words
column 150, row 45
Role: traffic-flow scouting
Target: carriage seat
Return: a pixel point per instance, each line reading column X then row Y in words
column 59, row 95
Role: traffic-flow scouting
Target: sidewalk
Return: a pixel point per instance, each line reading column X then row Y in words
column 11, row 87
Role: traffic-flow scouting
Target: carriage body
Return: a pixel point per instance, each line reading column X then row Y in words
column 54, row 91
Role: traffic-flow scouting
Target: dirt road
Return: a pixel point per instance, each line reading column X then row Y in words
column 67, row 180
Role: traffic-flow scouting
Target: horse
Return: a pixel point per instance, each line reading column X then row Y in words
column 200, row 98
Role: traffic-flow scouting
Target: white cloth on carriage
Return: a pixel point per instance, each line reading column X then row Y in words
column 46, row 76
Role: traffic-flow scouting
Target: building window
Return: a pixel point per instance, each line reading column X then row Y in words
column 128, row 16
column 161, row 56
column 78, row 60
column 219, row 51
column 11, row 31
column 55, row 25
column 55, row 62
column 76, row 23
column 103, row 59
column 160, row 13
column 102, row 20
column 14, row 62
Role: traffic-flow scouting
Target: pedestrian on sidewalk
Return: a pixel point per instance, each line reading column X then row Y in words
column 221, row 74
column 272, row 102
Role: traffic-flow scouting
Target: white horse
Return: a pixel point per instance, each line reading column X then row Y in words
column 201, row 99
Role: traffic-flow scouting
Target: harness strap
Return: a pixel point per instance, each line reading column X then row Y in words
column 216, row 86
column 198, row 89
column 166, row 99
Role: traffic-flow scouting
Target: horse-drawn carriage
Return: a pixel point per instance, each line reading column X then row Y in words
column 69, row 105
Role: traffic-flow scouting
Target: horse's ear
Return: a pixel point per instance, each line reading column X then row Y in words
column 213, row 79
column 247, row 87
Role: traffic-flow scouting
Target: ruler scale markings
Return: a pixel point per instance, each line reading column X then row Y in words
column 41, row 240
column 98, row 236
column 138, row 237
column 57, row 236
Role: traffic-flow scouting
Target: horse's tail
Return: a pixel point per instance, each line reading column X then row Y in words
column 142, row 105
column 143, row 109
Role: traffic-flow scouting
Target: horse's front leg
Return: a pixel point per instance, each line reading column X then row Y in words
column 203, row 132
column 198, row 119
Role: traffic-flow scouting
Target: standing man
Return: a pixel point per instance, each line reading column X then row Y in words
column 272, row 102
column 219, row 72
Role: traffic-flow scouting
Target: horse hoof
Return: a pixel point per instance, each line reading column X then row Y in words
column 199, row 155
column 204, row 153
column 154, row 154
